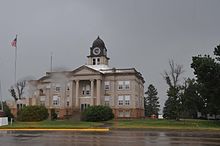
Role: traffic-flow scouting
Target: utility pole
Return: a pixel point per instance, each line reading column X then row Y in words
column 51, row 61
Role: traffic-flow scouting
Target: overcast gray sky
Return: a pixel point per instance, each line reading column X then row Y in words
column 143, row 34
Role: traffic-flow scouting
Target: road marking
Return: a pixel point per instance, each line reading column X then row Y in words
column 86, row 130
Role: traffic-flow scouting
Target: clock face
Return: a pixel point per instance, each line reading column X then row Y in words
column 96, row 51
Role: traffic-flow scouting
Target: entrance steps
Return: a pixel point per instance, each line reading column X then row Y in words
column 76, row 114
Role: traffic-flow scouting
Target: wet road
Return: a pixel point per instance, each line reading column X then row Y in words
column 112, row 138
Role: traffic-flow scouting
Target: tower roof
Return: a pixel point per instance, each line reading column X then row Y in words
column 98, row 43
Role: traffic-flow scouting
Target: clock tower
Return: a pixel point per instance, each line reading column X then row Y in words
column 98, row 53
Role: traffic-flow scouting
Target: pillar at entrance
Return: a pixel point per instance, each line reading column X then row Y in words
column 77, row 93
column 98, row 93
column 92, row 91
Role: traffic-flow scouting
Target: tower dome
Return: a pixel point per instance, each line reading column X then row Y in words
column 98, row 43
column 98, row 53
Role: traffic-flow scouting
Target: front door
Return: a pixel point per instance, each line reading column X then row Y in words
column 84, row 106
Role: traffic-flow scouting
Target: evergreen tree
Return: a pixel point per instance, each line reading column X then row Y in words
column 207, row 72
column 151, row 101
column 172, row 106
column 192, row 101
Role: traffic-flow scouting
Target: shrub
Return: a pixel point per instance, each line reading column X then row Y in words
column 53, row 114
column 97, row 113
column 32, row 114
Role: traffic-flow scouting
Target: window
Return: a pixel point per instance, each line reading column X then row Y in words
column 68, row 87
column 120, row 100
column 48, row 86
column 124, row 100
column 127, row 113
column 41, row 92
column 67, row 101
column 84, row 106
column 42, row 100
column 127, row 100
column 42, row 103
column 56, row 100
column 20, row 106
column 107, row 85
column 107, row 100
column 120, row 114
column 57, row 88
column 83, row 90
column 98, row 61
column 127, row 84
column 58, row 113
column 123, row 85
column 120, row 85
column 87, row 89
column 87, row 92
column 94, row 61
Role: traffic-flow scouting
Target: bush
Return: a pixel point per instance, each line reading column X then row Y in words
column 53, row 114
column 32, row 114
column 97, row 113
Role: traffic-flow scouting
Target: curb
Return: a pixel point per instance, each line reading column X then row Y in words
column 39, row 129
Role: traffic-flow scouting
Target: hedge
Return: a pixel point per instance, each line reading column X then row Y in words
column 97, row 113
column 32, row 114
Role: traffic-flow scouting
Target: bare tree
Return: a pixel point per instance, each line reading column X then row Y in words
column 13, row 93
column 18, row 90
column 172, row 76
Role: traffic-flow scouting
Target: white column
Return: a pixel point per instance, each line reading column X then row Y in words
column 98, row 93
column 50, row 102
column 71, row 94
column 92, row 91
column 77, row 93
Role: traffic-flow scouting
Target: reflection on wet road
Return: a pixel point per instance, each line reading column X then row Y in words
column 112, row 138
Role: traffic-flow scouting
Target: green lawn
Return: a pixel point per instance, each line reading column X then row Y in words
column 117, row 124
column 167, row 124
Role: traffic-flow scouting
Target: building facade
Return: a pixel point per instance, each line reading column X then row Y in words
column 70, row 92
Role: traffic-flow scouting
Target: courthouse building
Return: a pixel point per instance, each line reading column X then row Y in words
column 95, row 83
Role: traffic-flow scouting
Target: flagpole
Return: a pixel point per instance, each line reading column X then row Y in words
column 51, row 61
column 15, row 61
column 2, row 108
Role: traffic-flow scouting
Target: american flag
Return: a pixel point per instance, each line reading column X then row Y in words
column 14, row 42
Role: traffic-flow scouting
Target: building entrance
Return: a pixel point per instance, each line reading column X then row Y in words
column 84, row 106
